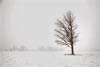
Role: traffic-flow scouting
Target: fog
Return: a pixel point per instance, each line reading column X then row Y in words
column 31, row 22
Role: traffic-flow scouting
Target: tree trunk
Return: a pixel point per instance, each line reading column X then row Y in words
column 72, row 49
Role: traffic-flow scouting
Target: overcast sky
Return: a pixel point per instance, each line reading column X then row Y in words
column 31, row 22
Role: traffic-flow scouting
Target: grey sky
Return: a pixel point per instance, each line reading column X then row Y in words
column 31, row 22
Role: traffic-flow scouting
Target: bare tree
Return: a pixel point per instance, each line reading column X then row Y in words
column 66, row 31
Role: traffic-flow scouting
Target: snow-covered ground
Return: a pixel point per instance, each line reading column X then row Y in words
column 48, row 59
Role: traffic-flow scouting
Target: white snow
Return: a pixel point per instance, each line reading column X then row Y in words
column 48, row 59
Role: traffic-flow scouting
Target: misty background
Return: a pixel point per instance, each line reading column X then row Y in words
column 30, row 23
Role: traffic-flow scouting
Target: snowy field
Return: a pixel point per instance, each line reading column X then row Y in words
column 48, row 59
